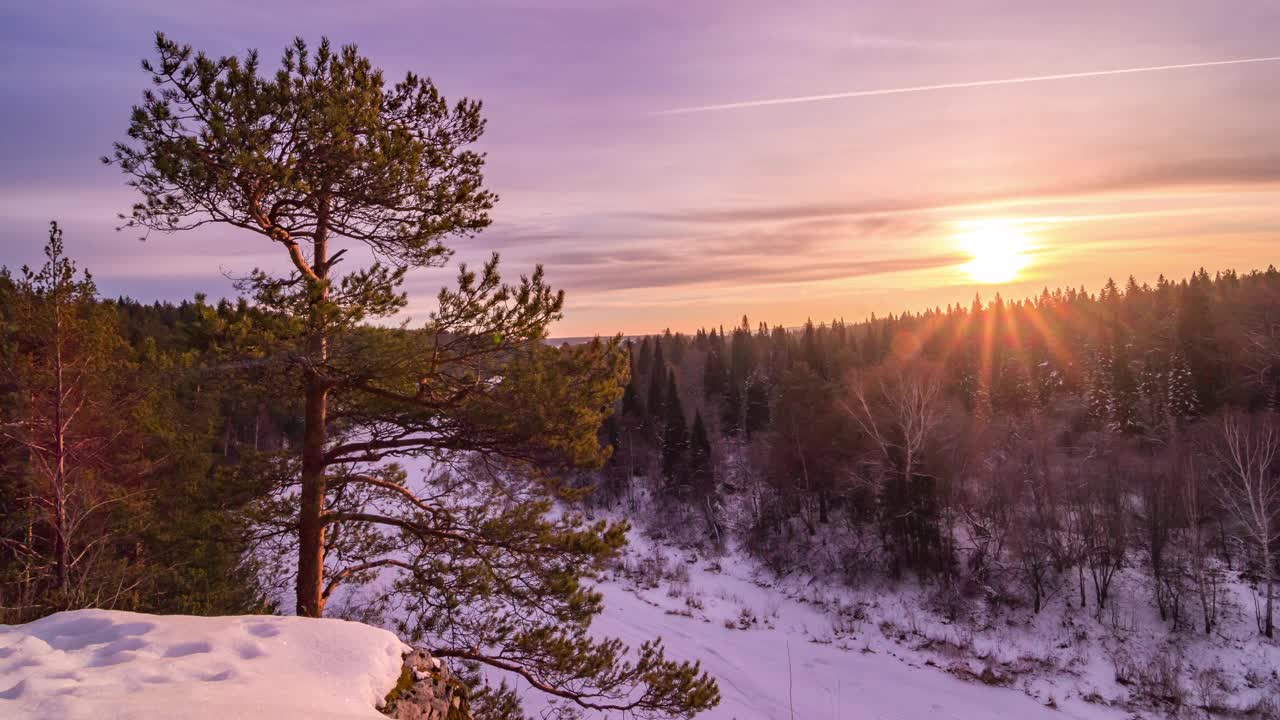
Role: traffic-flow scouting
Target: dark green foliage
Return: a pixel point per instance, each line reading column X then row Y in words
column 154, row 519
column 675, row 435
column 714, row 374
column 702, row 477
column 756, row 412
column 217, row 140
column 656, row 405
column 732, row 411
column 323, row 157
column 518, row 583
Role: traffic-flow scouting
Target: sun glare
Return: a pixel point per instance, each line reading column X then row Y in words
column 998, row 251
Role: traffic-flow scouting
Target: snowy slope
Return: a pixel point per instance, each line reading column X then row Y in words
column 98, row 664
column 819, row 681
column 778, row 658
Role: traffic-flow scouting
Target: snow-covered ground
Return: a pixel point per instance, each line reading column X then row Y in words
column 779, row 672
column 778, row 657
column 800, row 648
column 98, row 664
column 808, row 646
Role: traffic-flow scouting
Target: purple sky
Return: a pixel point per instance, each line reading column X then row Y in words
column 822, row 209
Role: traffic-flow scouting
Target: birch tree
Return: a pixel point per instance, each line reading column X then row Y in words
column 1248, row 489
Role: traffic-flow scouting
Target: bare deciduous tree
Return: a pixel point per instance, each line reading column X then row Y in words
column 1247, row 451
column 1204, row 570
column 62, row 420
column 899, row 409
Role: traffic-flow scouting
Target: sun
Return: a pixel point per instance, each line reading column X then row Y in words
column 998, row 251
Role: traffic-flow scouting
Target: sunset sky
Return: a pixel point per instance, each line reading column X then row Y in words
column 651, row 219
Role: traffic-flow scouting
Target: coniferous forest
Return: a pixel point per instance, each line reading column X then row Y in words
column 1016, row 448
column 292, row 447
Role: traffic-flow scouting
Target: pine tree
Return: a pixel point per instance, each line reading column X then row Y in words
column 324, row 157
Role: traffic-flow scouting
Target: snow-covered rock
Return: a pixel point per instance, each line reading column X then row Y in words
column 96, row 664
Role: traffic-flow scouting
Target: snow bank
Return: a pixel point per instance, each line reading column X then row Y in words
column 94, row 664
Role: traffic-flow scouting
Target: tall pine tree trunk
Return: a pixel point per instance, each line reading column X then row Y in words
column 310, row 601
column 311, row 510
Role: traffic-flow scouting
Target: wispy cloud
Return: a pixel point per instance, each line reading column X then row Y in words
column 1237, row 172
column 742, row 105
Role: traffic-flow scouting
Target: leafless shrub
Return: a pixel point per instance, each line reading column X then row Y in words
column 1160, row 681
column 1211, row 689
column 1267, row 708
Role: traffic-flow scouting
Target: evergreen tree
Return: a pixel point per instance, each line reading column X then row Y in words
column 701, row 473
column 631, row 403
column 757, row 406
column 1197, row 340
column 123, row 503
column 732, row 410
column 1122, row 403
column 324, row 157
column 656, row 405
column 1013, row 391
column 713, row 373
column 675, row 435
column 644, row 359
column 702, row 479
column 1181, row 402
column 66, row 413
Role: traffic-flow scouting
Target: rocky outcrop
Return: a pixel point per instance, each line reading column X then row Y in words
column 427, row 691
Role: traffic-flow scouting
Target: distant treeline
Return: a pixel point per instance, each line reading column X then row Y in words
column 959, row 440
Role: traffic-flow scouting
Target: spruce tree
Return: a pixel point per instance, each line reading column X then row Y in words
column 675, row 435
column 713, row 373
column 644, row 359
column 631, row 403
column 731, row 410
column 701, row 474
column 1122, row 409
column 1181, row 402
column 656, row 404
column 1197, row 338
column 756, row 418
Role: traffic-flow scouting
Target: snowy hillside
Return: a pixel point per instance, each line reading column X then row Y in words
column 796, row 647
column 92, row 664
column 778, row 658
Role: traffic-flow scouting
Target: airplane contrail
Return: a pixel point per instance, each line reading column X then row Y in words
column 955, row 85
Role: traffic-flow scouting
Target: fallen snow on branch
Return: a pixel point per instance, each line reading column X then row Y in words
column 92, row 664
